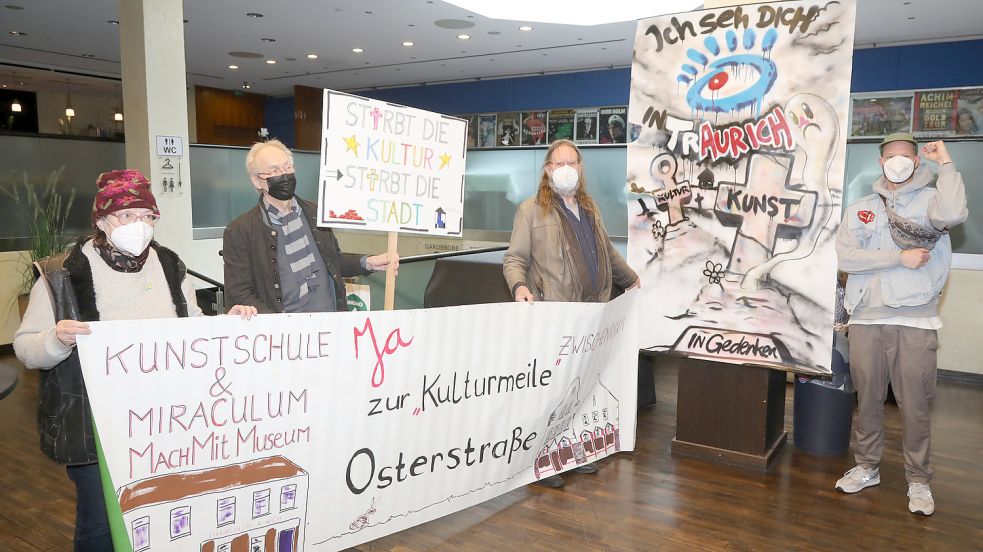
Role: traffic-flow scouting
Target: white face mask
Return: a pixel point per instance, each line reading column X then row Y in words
column 132, row 238
column 898, row 169
column 564, row 180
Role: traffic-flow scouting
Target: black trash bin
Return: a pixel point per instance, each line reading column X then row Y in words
column 822, row 417
column 822, row 410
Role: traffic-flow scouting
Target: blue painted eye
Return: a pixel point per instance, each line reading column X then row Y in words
column 708, row 90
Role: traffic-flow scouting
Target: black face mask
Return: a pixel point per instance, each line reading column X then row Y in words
column 282, row 187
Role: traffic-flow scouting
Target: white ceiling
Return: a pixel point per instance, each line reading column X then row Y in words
column 59, row 33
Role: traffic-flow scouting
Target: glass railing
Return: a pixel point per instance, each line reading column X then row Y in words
column 496, row 182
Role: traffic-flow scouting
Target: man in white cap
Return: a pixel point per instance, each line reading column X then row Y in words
column 894, row 244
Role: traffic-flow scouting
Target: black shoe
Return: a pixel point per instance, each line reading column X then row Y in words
column 586, row 468
column 553, row 482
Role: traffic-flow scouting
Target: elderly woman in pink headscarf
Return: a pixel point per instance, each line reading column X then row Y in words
column 118, row 273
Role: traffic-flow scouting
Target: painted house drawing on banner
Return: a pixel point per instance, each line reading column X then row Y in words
column 580, row 435
column 256, row 506
column 736, row 180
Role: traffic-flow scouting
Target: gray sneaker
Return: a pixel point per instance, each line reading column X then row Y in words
column 920, row 499
column 858, row 479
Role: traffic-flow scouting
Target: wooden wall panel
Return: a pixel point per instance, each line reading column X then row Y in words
column 228, row 117
column 308, row 107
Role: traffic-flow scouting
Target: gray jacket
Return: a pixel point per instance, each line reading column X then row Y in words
column 879, row 285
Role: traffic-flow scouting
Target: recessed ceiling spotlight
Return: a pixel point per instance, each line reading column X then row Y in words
column 407, row 43
column 311, row 56
column 88, row 56
column 357, row 50
column 464, row 36
column 256, row 15
column 18, row 33
column 271, row 61
column 13, row 7
column 246, row 85
column 267, row 39
column 113, row 21
column 233, row 67
column 525, row 28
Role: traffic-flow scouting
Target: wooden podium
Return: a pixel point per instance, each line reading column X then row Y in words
column 729, row 413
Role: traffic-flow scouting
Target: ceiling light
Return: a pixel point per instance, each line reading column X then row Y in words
column 246, row 85
column 18, row 33
column 525, row 28
column 233, row 67
column 311, row 56
column 90, row 56
column 407, row 43
column 267, row 39
column 254, row 14
column 15, row 105
column 271, row 61
column 357, row 50
column 118, row 116
column 575, row 12
column 69, row 110
column 113, row 22
column 464, row 36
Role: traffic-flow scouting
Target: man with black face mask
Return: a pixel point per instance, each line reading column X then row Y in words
column 894, row 244
column 275, row 254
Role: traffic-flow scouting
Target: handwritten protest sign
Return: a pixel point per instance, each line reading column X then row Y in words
column 737, row 176
column 389, row 167
column 322, row 431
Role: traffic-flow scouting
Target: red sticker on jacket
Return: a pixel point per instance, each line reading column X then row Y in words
column 866, row 217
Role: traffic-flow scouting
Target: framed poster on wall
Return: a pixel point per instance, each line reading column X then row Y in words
column 880, row 115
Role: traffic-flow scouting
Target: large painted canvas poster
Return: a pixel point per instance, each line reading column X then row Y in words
column 736, row 179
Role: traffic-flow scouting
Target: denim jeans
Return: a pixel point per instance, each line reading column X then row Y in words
column 91, row 523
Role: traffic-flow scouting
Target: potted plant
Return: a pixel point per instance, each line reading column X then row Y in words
column 45, row 210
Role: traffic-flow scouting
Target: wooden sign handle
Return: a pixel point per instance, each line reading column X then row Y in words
column 390, row 302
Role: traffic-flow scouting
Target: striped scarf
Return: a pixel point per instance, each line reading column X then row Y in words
column 299, row 249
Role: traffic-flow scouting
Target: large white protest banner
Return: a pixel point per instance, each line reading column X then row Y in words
column 321, row 431
column 737, row 179
column 389, row 167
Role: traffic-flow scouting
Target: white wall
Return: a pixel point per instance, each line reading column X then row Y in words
column 960, row 345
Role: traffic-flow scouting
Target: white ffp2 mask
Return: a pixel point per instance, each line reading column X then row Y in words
column 564, row 179
column 898, row 169
column 132, row 238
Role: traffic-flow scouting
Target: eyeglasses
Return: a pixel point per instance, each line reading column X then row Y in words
column 558, row 164
column 277, row 171
column 129, row 218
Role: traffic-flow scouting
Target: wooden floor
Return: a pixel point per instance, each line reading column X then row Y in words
column 647, row 500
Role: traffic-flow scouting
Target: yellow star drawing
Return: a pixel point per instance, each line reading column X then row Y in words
column 445, row 159
column 352, row 145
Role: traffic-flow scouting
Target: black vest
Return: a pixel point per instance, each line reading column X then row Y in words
column 64, row 417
